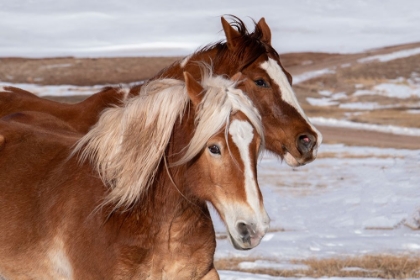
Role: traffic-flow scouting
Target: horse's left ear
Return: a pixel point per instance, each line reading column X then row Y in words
column 237, row 77
column 266, row 32
column 194, row 89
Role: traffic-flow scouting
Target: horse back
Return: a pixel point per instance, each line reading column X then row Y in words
column 81, row 116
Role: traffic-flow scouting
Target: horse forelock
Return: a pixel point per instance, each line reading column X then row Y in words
column 221, row 100
column 128, row 142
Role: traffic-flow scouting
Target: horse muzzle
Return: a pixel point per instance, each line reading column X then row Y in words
column 304, row 151
column 247, row 235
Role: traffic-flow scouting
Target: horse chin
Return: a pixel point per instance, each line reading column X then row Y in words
column 291, row 160
column 294, row 162
column 237, row 245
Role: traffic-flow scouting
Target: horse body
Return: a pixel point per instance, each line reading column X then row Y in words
column 51, row 229
column 63, row 219
column 80, row 116
column 250, row 58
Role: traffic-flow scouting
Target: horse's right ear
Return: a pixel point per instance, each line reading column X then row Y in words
column 231, row 33
column 194, row 89
column 266, row 32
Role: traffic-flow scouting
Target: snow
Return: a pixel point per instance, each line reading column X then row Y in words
column 261, row 264
column 60, row 90
column 361, row 105
column 393, row 89
column 365, row 126
column 46, row 28
column 351, row 202
column 310, row 75
column 230, row 275
column 321, row 101
column 391, row 56
column 400, row 89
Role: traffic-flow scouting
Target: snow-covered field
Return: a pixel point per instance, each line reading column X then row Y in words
column 163, row 27
column 351, row 201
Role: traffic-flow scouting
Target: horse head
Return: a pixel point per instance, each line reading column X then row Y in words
column 250, row 56
column 224, row 171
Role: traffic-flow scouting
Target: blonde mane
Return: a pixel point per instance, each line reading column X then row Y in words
column 128, row 142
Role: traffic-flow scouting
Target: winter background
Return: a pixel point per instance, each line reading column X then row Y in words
column 352, row 201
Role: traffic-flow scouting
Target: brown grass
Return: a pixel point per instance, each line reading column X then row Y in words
column 379, row 266
column 353, row 156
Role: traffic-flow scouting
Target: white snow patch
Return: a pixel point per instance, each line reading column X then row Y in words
column 262, row 264
column 325, row 92
column 414, row 111
column 321, row 101
column 351, row 203
column 391, row 56
column 375, row 127
column 397, row 91
column 233, row 275
column 310, row 75
column 361, row 106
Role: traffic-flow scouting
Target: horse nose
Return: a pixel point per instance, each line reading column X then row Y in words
column 305, row 143
column 245, row 231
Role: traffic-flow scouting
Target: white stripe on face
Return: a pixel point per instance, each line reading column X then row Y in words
column 287, row 94
column 242, row 134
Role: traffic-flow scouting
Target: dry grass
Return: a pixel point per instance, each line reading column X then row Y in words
column 353, row 156
column 380, row 266
column 364, row 76
column 386, row 117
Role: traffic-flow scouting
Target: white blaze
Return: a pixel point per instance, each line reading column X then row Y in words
column 287, row 94
column 242, row 134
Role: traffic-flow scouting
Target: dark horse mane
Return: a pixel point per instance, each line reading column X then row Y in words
column 250, row 47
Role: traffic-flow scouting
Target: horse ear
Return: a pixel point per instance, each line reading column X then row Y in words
column 231, row 33
column 194, row 89
column 265, row 30
column 237, row 77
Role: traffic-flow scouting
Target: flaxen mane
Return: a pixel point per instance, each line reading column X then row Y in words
column 128, row 142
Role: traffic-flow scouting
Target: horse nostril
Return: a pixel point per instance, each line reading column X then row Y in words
column 244, row 231
column 306, row 142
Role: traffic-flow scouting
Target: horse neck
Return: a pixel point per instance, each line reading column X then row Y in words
column 160, row 212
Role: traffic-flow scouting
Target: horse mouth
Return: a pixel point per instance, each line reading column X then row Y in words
column 290, row 159
column 237, row 246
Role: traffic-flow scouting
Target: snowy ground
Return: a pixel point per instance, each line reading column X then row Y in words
column 163, row 27
column 350, row 201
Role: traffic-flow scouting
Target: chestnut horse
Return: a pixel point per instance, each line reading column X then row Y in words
column 287, row 130
column 129, row 200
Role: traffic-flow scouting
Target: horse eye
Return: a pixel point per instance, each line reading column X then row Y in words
column 214, row 149
column 261, row 83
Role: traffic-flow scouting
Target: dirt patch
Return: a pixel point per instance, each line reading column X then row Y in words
column 81, row 71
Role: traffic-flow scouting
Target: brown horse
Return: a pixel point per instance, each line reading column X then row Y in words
column 287, row 130
column 130, row 200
